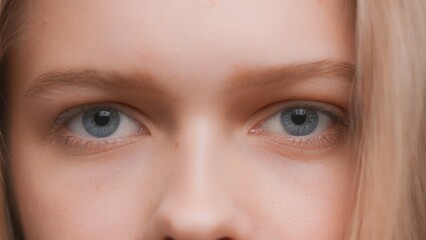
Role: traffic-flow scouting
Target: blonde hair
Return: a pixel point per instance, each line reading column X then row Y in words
column 389, row 112
column 390, row 120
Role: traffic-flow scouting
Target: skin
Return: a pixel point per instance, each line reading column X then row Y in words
column 203, row 164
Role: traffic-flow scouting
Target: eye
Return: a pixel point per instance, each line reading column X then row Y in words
column 101, row 123
column 301, row 121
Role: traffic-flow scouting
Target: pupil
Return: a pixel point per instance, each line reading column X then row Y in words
column 102, row 118
column 298, row 116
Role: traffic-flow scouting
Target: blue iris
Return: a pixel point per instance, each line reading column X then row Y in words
column 299, row 121
column 101, row 122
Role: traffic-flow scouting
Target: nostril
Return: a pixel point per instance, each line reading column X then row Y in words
column 168, row 238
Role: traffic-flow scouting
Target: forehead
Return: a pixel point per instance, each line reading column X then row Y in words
column 184, row 39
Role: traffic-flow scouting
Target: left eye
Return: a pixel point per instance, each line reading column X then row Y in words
column 298, row 121
column 102, row 122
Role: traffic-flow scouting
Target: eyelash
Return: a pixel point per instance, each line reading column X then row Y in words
column 326, row 139
column 92, row 145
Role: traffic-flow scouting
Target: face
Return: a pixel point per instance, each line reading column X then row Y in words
column 185, row 120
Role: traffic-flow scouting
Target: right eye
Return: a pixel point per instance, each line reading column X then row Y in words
column 102, row 123
column 303, row 121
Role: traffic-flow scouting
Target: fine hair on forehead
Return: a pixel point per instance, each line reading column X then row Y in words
column 388, row 110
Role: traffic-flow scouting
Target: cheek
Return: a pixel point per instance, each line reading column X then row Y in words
column 103, row 197
column 114, row 195
column 302, row 199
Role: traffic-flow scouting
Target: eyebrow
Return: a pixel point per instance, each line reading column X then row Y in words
column 51, row 81
column 295, row 72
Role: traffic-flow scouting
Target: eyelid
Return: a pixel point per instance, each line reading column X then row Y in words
column 128, row 111
column 336, row 113
column 297, row 148
column 77, row 145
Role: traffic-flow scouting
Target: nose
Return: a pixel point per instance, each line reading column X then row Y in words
column 196, row 219
column 198, row 203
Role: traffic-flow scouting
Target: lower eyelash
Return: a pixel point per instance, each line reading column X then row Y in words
column 78, row 145
column 305, row 145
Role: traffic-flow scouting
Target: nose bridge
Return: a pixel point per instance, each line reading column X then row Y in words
column 200, row 150
column 197, row 204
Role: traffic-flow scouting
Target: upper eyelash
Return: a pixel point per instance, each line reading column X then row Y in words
column 327, row 139
column 67, row 115
column 336, row 117
column 339, row 118
column 79, row 143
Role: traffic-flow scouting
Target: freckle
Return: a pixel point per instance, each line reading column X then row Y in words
column 176, row 144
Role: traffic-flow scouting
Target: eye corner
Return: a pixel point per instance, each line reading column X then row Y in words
column 256, row 129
